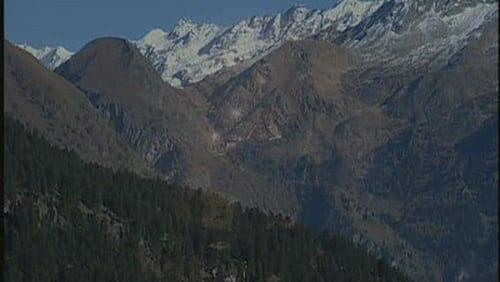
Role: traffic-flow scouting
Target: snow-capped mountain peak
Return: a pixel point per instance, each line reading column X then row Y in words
column 350, row 13
column 156, row 37
column 412, row 33
column 192, row 51
column 297, row 12
column 183, row 26
column 386, row 28
column 51, row 57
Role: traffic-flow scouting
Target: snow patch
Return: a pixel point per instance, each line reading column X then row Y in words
column 235, row 114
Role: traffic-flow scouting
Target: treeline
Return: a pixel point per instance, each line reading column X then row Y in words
column 66, row 220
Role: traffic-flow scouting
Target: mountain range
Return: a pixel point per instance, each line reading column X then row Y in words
column 374, row 119
column 192, row 51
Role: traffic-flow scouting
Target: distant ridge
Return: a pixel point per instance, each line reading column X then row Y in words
column 51, row 57
column 192, row 51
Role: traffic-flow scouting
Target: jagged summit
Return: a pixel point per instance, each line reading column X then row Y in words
column 412, row 33
column 296, row 11
column 183, row 26
column 380, row 28
column 192, row 51
column 51, row 57
column 184, row 58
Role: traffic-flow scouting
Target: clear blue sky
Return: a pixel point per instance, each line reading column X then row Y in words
column 72, row 23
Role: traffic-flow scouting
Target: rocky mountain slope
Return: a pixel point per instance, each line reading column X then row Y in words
column 358, row 149
column 377, row 141
column 125, row 88
column 166, row 127
column 49, row 103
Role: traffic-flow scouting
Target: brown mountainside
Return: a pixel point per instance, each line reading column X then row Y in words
column 46, row 101
column 166, row 126
column 403, row 159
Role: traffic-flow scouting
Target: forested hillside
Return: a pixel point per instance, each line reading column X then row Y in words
column 66, row 220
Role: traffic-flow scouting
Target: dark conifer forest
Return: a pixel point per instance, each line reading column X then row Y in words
column 66, row 220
